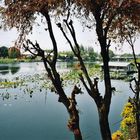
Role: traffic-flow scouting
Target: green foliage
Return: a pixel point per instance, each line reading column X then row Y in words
column 3, row 51
column 95, row 71
column 9, row 60
column 111, row 54
column 88, row 54
column 14, row 52
column 138, row 60
column 66, row 56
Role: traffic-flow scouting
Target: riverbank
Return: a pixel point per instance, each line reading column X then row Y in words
column 93, row 67
column 10, row 60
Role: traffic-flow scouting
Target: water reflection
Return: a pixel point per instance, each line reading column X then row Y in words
column 9, row 68
column 4, row 70
column 14, row 69
column 3, row 67
column 32, row 119
column 25, row 108
column 35, row 67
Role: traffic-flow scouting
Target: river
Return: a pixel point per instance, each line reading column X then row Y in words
column 39, row 116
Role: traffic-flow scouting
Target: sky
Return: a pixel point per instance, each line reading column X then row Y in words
column 85, row 37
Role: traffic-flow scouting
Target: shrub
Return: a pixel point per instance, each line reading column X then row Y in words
column 3, row 51
column 14, row 52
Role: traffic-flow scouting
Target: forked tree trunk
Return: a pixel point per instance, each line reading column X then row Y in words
column 73, row 124
column 102, row 102
column 103, row 111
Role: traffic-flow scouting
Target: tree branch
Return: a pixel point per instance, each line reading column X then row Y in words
column 44, row 12
column 66, row 37
column 84, row 83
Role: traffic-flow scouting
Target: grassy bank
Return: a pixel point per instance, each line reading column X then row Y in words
column 9, row 60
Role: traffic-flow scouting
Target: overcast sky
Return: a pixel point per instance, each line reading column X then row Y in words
column 85, row 37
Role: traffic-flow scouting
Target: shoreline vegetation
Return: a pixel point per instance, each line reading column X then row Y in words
column 14, row 60
column 114, row 75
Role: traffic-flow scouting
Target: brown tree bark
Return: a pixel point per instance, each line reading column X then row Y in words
column 69, row 103
column 50, row 66
column 103, row 103
column 104, row 123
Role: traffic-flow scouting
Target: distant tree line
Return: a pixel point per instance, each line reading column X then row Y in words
column 88, row 54
column 12, row 52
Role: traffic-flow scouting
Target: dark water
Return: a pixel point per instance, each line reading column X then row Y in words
column 43, row 118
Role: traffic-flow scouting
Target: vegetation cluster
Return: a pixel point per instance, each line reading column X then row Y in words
column 87, row 53
column 12, row 52
column 128, row 123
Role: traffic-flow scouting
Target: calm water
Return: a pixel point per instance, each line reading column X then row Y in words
column 41, row 117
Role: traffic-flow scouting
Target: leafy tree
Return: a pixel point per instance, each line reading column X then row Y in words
column 108, row 17
column 14, row 52
column 88, row 53
column 22, row 14
column 66, row 55
column 111, row 54
column 82, row 49
column 92, row 54
column 3, row 51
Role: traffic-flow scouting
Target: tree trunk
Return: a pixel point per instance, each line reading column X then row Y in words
column 105, row 107
column 77, row 134
column 138, row 104
column 107, row 81
column 138, row 125
column 104, row 124
column 73, row 123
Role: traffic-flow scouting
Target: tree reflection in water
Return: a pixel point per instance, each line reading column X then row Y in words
column 14, row 69
column 6, row 69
